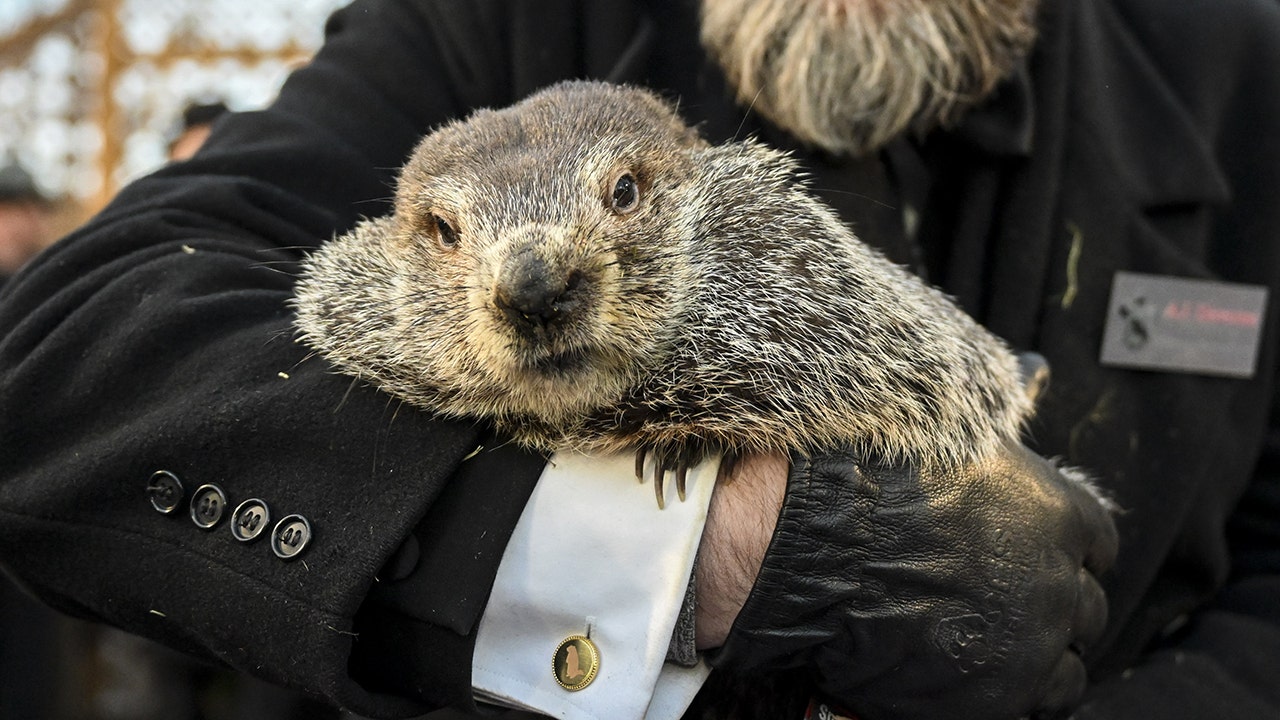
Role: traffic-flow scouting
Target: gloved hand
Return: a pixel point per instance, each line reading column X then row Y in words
column 916, row 594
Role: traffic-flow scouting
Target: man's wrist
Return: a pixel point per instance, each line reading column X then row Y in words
column 740, row 524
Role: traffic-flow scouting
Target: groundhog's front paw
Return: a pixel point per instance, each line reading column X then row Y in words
column 664, row 460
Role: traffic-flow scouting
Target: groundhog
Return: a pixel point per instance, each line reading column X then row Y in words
column 587, row 273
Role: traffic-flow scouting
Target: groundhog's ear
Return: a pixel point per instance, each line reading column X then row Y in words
column 668, row 112
column 692, row 139
column 765, row 166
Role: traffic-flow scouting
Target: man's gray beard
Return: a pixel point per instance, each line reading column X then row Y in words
column 849, row 75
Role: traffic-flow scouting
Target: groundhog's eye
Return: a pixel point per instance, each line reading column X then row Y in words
column 626, row 194
column 446, row 232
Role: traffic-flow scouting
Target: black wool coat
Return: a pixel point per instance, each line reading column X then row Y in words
column 1146, row 138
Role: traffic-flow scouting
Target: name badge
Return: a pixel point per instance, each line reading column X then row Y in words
column 1155, row 322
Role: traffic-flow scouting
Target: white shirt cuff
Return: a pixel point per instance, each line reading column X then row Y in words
column 593, row 555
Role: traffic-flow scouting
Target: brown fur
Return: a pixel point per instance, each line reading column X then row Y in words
column 727, row 312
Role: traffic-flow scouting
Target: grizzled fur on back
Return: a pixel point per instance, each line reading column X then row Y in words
column 718, row 308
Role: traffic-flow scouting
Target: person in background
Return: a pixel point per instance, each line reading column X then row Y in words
column 197, row 121
column 26, row 222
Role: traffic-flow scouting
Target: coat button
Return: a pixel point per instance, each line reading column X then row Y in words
column 576, row 662
column 207, row 506
column 164, row 490
column 249, row 520
column 290, row 537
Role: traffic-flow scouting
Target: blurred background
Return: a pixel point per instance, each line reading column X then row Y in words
column 94, row 93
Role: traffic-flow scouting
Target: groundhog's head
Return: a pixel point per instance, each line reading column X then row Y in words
column 533, row 265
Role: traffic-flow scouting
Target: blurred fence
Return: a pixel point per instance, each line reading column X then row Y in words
column 92, row 91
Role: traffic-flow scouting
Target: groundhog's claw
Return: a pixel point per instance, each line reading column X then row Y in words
column 660, row 467
column 640, row 453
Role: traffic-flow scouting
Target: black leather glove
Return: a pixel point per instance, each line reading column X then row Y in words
column 931, row 595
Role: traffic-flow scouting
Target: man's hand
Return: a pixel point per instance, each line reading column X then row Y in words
column 914, row 594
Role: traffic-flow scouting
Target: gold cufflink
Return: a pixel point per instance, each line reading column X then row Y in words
column 576, row 662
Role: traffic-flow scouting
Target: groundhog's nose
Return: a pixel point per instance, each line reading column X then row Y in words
column 532, row 294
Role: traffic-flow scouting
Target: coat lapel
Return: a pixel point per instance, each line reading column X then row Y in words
column 1117, row 180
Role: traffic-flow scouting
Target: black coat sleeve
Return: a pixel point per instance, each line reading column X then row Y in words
column 158, row 337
